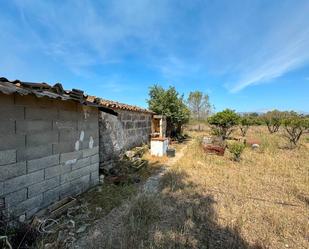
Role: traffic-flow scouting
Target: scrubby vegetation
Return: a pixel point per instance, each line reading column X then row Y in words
column 295, row 126
column 224, row 122
column 170, row 103
column 273, row 120
column 244, row 124
column 208, row 201
column 236, row 149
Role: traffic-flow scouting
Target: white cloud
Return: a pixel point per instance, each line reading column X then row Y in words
column 173, row 67
column 247, row 43
column 82, row 34
column 284, row 47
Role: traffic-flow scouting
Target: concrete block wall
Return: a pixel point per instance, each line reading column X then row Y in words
column 117, row 134
column 48, row 150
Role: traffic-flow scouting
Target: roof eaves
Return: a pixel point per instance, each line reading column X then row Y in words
column 44, row 90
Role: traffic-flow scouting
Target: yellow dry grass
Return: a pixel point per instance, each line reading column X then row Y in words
column 209, row 201
column 265, row 197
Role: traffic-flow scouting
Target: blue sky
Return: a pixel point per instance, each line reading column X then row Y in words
column 247, row 55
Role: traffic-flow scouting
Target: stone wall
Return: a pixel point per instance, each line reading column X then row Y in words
column 117, row 134
column 48, row 150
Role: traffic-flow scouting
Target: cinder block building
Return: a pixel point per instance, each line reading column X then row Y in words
column 52, row 143
column 130, row 128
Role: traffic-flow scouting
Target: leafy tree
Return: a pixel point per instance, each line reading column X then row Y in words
column 199, row 105
column 295, row 126
column 255, row 118
column 168, row 102
column 244, row 124
column 236, row 149
column 273, row 120
column 223, row 122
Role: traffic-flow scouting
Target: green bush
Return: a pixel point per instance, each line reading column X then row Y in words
column 236, row 149
column 223, row 123
column 171, row 104
column 273, row 120
column 244, row 124
column 295, row 126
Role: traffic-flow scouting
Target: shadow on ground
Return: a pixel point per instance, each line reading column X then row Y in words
column 176, row 217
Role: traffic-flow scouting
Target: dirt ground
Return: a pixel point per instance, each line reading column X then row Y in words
column 205, row 201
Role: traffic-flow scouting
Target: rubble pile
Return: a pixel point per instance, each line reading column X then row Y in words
column 124, row 170
column 62, row 229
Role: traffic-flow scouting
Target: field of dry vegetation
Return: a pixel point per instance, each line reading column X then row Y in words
column 207, row 201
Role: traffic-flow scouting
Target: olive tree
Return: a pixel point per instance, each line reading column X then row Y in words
column 223, row 122
column 273, row 120
column 295, row 126
column 244, row 124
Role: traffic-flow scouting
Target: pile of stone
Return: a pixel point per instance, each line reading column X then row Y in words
column 135, row 155
column 124, row 170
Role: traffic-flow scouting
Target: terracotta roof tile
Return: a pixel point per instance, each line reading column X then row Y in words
column 116, row 105
column 44, row 90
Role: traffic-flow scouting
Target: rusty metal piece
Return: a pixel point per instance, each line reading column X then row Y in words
column 214, row 149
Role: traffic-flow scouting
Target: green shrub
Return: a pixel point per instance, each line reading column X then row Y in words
column 236, row 149
column 295, row 126
column 223, row 123
column 273, row 120
column 244, row 124
column 171, row 104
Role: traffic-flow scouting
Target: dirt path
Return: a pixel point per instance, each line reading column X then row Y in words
column 152, row 184
column 99, row 235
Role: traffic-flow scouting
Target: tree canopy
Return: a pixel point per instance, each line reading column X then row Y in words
column 199, row 105
column 170, row 103
column 223, row 122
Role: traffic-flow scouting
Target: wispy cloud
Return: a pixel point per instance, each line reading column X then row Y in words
column 283, row 47
column 82, row 34
column 243, row 44
column 115, row 84
column 173, row 67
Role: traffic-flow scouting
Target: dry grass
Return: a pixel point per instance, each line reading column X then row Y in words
column 213, row 202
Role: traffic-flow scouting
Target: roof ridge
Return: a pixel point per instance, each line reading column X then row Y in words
column 118, row 105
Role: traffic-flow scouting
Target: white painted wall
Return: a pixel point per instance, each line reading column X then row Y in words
column 158, row 148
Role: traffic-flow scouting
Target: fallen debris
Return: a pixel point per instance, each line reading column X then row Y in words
column 61, row 207
column 250, row 142
column 82, row 228
column 46, row 226
column 124, row 169
column 255, row 146
column 214, row 149
column 6, row 241
column 213, row 145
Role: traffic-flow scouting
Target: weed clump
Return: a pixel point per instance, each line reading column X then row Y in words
column 143, row 213
column 236, row 149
